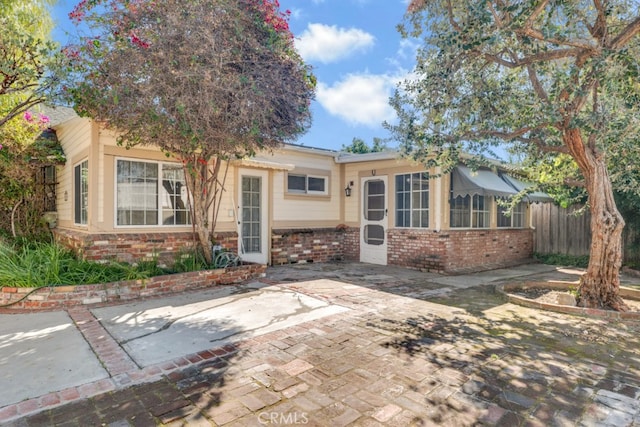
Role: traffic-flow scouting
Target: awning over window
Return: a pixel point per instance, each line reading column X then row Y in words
column 536, row 196
column 466, row 182
column 260, row 163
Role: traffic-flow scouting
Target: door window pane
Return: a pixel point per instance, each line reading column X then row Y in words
column 251, row 214
column 374, row 234
column 374, row 209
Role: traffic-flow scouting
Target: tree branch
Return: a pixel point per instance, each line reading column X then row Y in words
column 20, row 108
column 537, row 35
column 625, row 35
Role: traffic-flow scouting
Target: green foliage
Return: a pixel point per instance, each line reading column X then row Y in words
column 203, row 80
column 563, row 260
column 358, row 146
column 521, row 74
column 194, row 260
column 556, row 82
column 189, row 261
column 575, row 292
column 37, row 264
column 29, row 69
column 29, row 60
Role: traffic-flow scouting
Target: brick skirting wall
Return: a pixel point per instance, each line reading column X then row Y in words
column 458, row 251
column 133, row 247
column 352, row 244
column 61, row 297
column 307, row 245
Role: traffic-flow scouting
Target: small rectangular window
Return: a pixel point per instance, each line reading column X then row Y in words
column 480, row 211
column 306, row 184
column 514, row 219
column 81, row 193
column 460, row 212
column 297, row 183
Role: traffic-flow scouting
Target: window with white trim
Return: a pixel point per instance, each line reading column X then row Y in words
column 513, row 219
column 306, row 184
column 412, row 200
column 150, row 193
column 470, row 211
column 81, row 192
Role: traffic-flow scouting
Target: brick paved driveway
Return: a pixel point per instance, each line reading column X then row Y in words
column 413, row 349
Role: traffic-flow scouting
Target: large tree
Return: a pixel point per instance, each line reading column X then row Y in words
column 204, row 80
column 27, row 56
column 29, row 68
column 545, row 76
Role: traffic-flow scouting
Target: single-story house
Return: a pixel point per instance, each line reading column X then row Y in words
column 296, row 204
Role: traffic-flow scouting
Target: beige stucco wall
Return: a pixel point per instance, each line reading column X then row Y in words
column 304, row 210
column 75, row 139
column 83, row 139
column 355, row 172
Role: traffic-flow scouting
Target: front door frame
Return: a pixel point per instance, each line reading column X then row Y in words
column 261, row 256
column 374, row 254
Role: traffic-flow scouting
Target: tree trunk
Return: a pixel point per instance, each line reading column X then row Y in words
column 600, row 285
column 13, row 218
column 196, row 180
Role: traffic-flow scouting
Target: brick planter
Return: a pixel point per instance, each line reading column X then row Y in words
column 62, row 297
column 506, row 289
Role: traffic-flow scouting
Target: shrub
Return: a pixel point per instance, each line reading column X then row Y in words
column 563, row 259
column 37, row 264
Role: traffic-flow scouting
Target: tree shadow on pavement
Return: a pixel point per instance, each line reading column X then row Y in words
column 531, row 365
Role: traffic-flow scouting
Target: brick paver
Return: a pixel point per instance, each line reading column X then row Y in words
column 394, row 359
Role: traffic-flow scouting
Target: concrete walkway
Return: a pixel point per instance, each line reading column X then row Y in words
column 325, row 345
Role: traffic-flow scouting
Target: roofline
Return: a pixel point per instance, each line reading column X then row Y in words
column 306, row 149
column 343, row 157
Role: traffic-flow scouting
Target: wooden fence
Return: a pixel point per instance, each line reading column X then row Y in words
column 560, row 230
column 568, row 231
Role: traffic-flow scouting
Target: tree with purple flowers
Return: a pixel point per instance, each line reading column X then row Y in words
column 205, row 80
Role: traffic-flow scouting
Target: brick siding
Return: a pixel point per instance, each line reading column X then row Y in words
column 134, row 247
column 458, row 251
column 352, row 244
column 308, row 245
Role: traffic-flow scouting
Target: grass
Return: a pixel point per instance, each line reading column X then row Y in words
column 48, row 264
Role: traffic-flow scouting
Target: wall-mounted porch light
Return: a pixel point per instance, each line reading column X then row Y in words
column 347, row 190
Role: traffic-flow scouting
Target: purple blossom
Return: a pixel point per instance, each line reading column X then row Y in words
column 28, row 116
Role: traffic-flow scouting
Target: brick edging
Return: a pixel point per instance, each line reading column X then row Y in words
column 505, row 289
column 64, row 297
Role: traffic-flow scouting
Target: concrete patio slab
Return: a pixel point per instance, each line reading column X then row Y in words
column 394, row 354
column 484, row 277
column 42, row 353
column 166, row 328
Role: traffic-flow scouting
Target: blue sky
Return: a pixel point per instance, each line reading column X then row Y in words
column 357, row 56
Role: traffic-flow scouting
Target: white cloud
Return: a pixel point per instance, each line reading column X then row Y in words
column 326, row 43
column 296, row 13
column 360, row 99
column 317, row 1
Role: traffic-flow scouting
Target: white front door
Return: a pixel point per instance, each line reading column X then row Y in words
column 373, row 224
column 253, row 242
